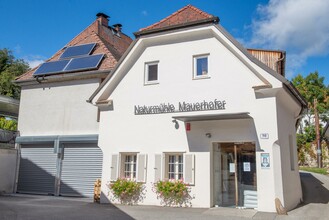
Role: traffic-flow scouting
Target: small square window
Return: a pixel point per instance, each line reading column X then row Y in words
column 151, row 73
column 201, row 66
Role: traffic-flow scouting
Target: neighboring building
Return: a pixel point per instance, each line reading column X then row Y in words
column 187, row 101
column 58, row 128
column 8, row 107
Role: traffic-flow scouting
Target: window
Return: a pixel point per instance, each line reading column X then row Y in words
column 201, row 67
column 175, row 166
column 130, row 166
column 151, row 73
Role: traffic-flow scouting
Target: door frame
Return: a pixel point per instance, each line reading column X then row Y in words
column 212, row 170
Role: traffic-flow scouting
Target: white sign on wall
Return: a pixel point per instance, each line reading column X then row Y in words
column 232, row 168
column 246, row 166
column 264, row 136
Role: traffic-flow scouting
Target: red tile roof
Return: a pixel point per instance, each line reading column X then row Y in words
column 108, row 43
column 185, row 15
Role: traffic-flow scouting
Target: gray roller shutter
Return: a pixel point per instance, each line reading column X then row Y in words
column 37, row 169
column 81, row 166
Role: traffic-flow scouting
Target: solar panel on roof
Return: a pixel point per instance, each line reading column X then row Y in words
column 84, row 63
column 51, row 67
column 80, row 50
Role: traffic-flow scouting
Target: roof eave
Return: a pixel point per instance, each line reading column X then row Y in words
column 63, row 77
column 178, row 26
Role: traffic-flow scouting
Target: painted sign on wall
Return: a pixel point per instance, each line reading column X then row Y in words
column 181, row 107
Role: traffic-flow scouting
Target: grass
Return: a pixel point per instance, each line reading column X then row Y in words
column 323, row 171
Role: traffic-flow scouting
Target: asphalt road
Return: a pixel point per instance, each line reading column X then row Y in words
column 28, row 207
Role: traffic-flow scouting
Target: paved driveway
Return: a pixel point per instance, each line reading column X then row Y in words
column 12, row 207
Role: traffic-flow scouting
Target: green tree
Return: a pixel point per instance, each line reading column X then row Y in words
column 10, row 68
column 311, row 87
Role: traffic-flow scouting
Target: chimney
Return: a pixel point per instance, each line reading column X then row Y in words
column 117, row 27
column 103, row 19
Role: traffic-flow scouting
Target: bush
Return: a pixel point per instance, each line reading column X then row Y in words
column 10, row 125
column 127, row 191
column 173, row 192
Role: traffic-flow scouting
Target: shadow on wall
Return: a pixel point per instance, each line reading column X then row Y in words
column 313, row 189
column 217, row 131
column 35, row 180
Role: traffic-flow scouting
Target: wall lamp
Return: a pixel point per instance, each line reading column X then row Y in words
column 176, row 123
column 208, row 135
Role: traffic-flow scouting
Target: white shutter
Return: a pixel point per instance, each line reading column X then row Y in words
column 189, row 168
column 141, row 167
column 114, row 167
column 157, row 167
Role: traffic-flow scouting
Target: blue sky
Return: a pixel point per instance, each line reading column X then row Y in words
column 34, row 30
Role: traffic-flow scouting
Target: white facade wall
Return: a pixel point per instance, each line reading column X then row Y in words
column 230, row 80
column 291, row 192
column 58, row 109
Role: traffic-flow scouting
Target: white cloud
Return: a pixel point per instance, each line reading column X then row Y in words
column 34, row 60
column 300, row 27
column 34, row 63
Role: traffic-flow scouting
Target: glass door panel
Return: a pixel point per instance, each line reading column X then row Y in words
column 236, row 179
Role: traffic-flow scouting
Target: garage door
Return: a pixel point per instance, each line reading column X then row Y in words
column 37, row 170
column 81, row 166
column 78, row 168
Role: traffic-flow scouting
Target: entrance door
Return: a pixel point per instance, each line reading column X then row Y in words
column 235, row 175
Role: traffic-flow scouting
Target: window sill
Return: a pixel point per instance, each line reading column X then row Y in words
column 151, row 83
column 201, row 77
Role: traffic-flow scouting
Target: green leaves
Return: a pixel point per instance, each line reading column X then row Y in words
column 10, row 125
column 173, row 192
column 312, row 87
column 10, row 68
column 126, row 191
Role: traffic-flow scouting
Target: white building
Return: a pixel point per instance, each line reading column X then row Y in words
column 188, row 101
column 184, row 101
column 58, row 128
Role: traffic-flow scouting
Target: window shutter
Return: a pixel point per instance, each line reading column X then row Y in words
column 189, row 169
column 114, row 167
column 141, row 167
column 157, row 167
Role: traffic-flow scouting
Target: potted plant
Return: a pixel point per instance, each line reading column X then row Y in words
column 173, row 192
column 127, row 191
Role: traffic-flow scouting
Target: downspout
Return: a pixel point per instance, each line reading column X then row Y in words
column 277, row 64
